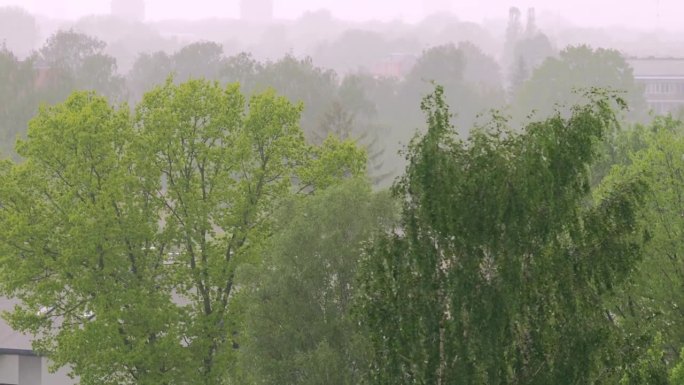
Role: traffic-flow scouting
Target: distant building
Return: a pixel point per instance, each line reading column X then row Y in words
column 396, row 65
column 19, row 365
column 132, row 10
column 256, row 10
column 663, row 82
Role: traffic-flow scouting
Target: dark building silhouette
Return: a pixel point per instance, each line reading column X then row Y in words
column 132, row 10
column 256, row 10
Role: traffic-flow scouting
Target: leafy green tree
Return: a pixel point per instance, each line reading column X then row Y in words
column 534, row 50
column 353, row 116
column 499, row 270
column 69, row 49
column 123, row 234
column 677, row 374
column 198, row 60
column 650, row 368
column 19, row 99
column 299, row 328
column 148, row 71
column 68, row 61
column 241, row 68
column 455, row 68
column 380, row 122
column 302, row 82
column 519, row 75
column 480, row 69
column 651, row 304
column 79, row 62
column 557, row 80
column 203, row 60
column 529, row 53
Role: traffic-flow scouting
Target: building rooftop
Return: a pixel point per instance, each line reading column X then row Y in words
column 665, row 68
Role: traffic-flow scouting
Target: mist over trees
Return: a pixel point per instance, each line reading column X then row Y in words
column 321, row 201
column 18, row 30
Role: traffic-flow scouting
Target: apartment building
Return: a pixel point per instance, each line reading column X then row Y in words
column 663, row 82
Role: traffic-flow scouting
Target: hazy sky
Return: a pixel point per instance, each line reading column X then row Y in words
column 638, row 13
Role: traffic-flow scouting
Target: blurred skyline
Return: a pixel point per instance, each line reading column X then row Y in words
column 642, row 14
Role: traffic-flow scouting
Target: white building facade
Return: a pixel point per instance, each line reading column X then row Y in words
column 19, row 365
column 663, row 82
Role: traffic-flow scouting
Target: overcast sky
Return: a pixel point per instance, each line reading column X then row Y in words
column 647, row 14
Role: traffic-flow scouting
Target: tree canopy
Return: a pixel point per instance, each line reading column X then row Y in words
column 77, row 61
column 500, row 266
column 651, row 304
column 229, row 224
column 124, row 232
column 561, row 82
column 298, row 327
column 19, row 98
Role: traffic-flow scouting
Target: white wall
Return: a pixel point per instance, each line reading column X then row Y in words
column 29, row 370
column 9, row 369
column 58, row 378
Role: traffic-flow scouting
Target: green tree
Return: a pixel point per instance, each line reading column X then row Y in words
column 461, row 70
column 299, row 328
column 677, row 374
column 534, row 50
column 650, row 368
column 499, row 270
column 19, row 99
column 243, row 69
column 79, row 62
column 353, row 116
column 528, row 55
column 202, row 60
column 480, row 69
column 68, row 61
column 302, row 82
column 198, row 60
column 123, row 234
column 148, row 71
column 519, row 75
column 651, row 303
column 558, row 79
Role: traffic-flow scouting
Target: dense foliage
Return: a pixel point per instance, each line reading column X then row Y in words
column 560, row 81
column 122, row 234
column 500, row 267
column 299, row 328
column 651, row 304
column 229, row 225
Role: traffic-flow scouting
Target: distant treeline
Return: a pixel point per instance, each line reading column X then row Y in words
column 225, row 219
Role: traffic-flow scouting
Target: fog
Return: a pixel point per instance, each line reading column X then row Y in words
column 303, row 192
column 385, row 52
column 644, row 14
